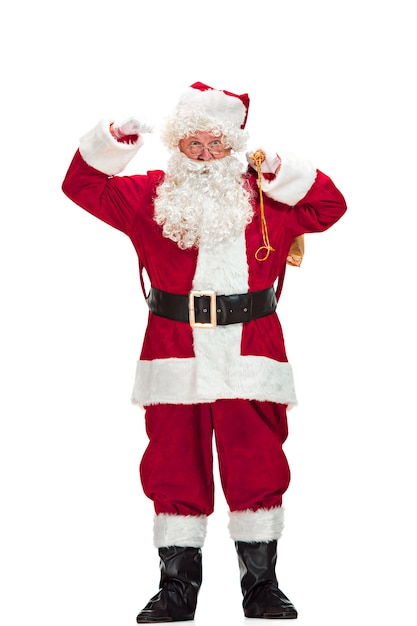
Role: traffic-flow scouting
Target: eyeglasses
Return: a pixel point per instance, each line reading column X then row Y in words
column 214, row 147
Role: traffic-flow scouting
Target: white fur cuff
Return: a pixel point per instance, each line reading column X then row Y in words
column 187, row 531
column 100, row 150
column 260, row 525
column 293, row 181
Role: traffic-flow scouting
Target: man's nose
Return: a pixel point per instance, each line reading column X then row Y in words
column 205, row 155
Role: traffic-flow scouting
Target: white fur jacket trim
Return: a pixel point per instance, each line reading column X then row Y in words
column 294, row 179
column 100, row 150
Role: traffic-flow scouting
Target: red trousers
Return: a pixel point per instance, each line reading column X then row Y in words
column 177, row 467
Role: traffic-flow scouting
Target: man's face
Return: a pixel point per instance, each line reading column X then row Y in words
column 203, row 146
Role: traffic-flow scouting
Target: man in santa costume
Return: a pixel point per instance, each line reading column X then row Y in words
column 214, row 237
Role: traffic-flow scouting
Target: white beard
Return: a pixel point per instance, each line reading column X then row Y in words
column 202, row 201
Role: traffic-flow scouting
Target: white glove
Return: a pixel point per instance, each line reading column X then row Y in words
column 269, row 165
column 129, row 127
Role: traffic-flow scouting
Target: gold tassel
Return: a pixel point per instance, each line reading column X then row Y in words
column 263, row 251
column 296, row 253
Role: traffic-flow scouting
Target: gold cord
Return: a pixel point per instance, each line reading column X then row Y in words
column 264, row 251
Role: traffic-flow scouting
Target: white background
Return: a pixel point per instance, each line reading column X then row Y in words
column 334, row 81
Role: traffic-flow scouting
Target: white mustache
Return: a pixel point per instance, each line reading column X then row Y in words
column 199, row 166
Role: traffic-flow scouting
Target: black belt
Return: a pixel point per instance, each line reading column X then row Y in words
column 205, row 309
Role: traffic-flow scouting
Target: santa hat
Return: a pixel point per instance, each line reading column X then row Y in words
column 201, row 107
column 217, row 104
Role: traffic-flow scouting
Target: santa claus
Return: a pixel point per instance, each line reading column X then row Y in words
column 214, row 235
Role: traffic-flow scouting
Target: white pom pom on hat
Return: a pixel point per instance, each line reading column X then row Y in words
column 220, row 105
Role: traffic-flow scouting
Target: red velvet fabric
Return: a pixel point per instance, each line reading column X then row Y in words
column 177, row 467
column 126, row 203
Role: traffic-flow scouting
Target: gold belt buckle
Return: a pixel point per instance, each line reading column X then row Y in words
column 191, row 311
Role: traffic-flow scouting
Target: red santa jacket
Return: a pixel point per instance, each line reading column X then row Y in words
column 178, row 364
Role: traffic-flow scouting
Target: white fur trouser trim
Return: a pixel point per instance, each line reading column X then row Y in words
column 187, row 531
column 261, row 525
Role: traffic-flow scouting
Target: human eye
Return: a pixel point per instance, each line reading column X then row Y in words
column 216, row 146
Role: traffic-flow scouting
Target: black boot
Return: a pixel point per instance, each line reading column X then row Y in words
column 262, row 597
column 181, row 576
